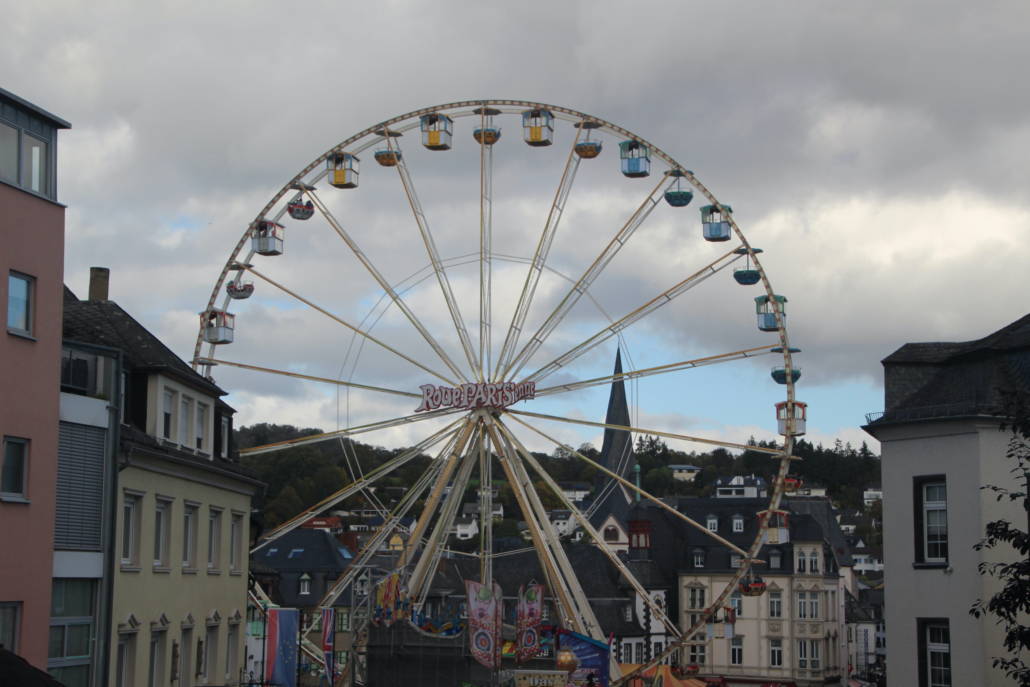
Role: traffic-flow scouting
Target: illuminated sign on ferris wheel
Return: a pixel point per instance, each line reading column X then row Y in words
column 477, row 395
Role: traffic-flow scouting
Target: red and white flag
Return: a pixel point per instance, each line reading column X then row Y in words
column 484, row 618
column 527, row 622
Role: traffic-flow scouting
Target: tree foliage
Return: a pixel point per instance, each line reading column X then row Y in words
column 1011, row 605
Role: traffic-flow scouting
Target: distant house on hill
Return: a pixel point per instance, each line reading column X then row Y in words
column 685, row 473
column 740, row 486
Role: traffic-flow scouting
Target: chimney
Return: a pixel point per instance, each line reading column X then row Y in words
column 99, row 280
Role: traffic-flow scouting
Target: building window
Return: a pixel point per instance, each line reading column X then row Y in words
column 627, row 613
column 125, row 662
column 235, row 542
column 15, row 472
column 189, row 536
column 738, row 523
column 696, row 655
column 776, row 653
column 342, row 619
column 932, row 520
column 214, row 539
column 130, row 529
column 200, row 426
column 699, row 559
column 803, row 654
column 696, row 597
column 712, row 524
column 736, row 560
column 232, row 652
column 813, row 654
column 305, row 584
column 8, row 153
column 627, row 652
column 20, row 303
column 9, row 615
column 639, row 650
column 34, row 164
column 162, row 532
column 775, row 604
column 611, row 533
column 775, row 560
column 737, row 603
column 226, row 431
column 167, row 411
column 737, row 651
column 209, row 654
column 185, row 414
column 813, row 562
column 801, row 561
column 934, row 652
column 156, row 666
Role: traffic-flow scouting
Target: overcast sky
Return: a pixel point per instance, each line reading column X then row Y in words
column 878, row 153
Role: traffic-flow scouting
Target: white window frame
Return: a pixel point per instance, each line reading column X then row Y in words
column 190, row 527
column 209, row 657
column 30, row 304
column 12, row 611
column 813, row 562
column 776, row 653
column 712, row 523
column 200, row 427
column 775, row 604
column 738, row 524
column 699, row 559
column 935, row 506
column 132, row 513
column 304, row 585
column 736, row 560
column 696, row 597
column 737, row 603
column 162, row 531
column 775, row 560
column 940, row 649
column 169, row 400
column 185, row 421
column 737, row 651
column 698, row 654
column 21, row 491
column 214, row 539
column 226, row 431
column 236, row 543
column 156, row 666
column 813, row 654
column 803, row 654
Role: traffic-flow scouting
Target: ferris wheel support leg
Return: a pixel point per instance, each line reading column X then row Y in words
column 583, row 617
column 385, row 285
column 658, row 612
column 438, row 268
column 354, row 487
column 636, row 315
column 657, row 370
column 543, row 249
column 486, row 514
column 581, row 286
column 422, row 576
column 453, row 453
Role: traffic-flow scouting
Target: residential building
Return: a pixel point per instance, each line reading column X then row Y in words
column 741, row 486
column 940, row 442
column 872, row 495
column 575, row 491
column 181, row 511
column 684, row 473
column 792, row 633
column 31, row 279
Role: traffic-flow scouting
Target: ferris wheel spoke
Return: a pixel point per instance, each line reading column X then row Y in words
column 653, row 432
column 585, row 281
column 629, row 485
column 310, row 378
column 358, row 485
column 584, row 522
column 339, row 320
column 437, row 263
column 543, row 248
column 486, row 218
column 561, row 575
column 385, row 285
column 351, row 431
column 657, row 370
column 640, row 313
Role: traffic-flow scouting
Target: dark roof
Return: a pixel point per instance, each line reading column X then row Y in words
column 306, row 550
column 106, row 324
column 15, row 670
column 1015, row 336
column 51, row 119
column 821, row 510
column 132, row 437
column 616, row 455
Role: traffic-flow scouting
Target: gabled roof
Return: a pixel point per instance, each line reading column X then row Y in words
column 1015, row 336
column 106, row 324
column 305, row 550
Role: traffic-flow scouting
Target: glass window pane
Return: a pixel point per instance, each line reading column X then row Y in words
column 12, row 477
column 34, row 164
column 8, row 153
column 78, row 641
column 72, row 598
column 56, row 648
column 19, row 313
column 72, row 676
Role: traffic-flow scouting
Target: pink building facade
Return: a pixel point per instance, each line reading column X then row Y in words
column 31, row 293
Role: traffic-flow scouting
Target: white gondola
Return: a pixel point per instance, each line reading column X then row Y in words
column 267, row 238
column 218, row 326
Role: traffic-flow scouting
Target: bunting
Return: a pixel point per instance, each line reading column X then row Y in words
column 527, row 622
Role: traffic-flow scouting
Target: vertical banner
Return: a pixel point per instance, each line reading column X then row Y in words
column 527, row 622
column 484, row 618
column 592, row 656
column 281, row 646
column 328, row 637
column 391, row 601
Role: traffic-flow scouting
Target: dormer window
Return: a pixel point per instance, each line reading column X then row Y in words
column 775, row 560
column 167, row 412
column 712, row 524
column 611, row 533
column 305, row 584
column 738, row 523
column 699, row 558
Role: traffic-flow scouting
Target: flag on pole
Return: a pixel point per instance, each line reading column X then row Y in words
column 328, row 635
column 281, row 646
column 527, row 622
column 484, row 618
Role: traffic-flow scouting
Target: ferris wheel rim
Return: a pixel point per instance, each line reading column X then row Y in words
column 297, row 184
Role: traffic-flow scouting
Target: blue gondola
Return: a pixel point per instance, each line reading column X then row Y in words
column 715, row 226
column 436, row 131
column 766, row 314
column 390, row 155
column 676, row 195
column 636, row 159
column 779, row 374
column 486, row 134
column 748, row 274
column 538, row 127
column 587, row 149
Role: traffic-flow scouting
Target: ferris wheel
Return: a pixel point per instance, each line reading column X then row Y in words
column 471, row 326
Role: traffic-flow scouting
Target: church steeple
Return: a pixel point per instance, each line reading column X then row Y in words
column 617, row 448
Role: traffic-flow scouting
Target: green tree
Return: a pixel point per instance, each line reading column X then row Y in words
column 1011, row 605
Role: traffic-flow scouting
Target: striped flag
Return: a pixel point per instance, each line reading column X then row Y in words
column 527, row 622
column 328, row 637
column 281, row 635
